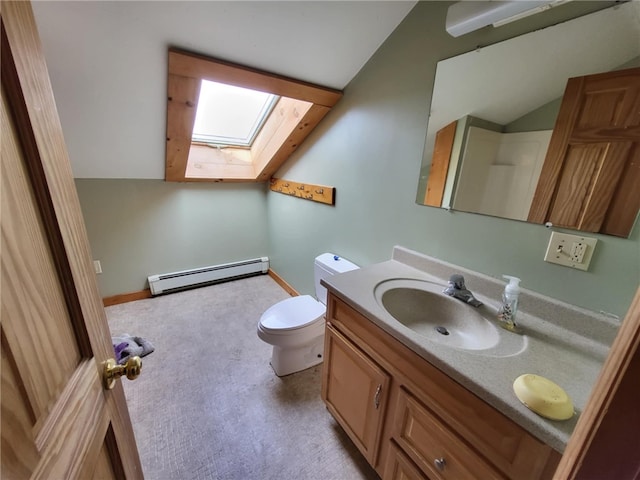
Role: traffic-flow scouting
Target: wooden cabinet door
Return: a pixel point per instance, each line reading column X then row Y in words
column 590, row 180
column 355, row 390
column 58, row 421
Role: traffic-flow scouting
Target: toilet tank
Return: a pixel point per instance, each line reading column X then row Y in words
column 326, row 265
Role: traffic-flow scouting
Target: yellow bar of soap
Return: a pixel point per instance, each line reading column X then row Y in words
column 543, row 396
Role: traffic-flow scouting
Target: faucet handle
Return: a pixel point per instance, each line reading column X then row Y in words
column 457, row 281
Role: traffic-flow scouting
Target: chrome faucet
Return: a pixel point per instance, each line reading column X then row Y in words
column 457, row 289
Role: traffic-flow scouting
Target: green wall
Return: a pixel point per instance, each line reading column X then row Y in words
column 139, row 228
column 542, row 118
column 370, row 148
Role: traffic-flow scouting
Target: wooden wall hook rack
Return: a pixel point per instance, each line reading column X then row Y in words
column 308, row 191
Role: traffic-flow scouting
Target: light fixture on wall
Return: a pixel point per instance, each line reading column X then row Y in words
column 468, row 16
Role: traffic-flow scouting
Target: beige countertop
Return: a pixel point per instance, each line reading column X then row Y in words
column 563, row 343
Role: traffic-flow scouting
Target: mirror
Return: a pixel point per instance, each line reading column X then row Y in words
column 495, row 109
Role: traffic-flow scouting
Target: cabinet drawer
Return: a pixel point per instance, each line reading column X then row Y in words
column 433, row 447
column 399, row 467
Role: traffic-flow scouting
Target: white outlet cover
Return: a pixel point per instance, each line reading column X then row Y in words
column 560, row 248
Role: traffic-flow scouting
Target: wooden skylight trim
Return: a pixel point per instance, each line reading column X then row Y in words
column 300, row 108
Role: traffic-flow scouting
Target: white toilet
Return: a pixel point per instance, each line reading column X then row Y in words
column 295, row 326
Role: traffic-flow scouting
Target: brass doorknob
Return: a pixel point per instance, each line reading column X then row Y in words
column 113, row 371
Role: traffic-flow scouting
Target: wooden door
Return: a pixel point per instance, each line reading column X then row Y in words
column 58, row 421
column 590, row 180
column 355, row 390
column 606, row 440
column 440, row 162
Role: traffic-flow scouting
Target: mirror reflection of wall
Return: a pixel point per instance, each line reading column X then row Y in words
column 504, row 100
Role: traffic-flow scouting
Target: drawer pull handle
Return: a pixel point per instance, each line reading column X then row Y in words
column 440, row 463
column 376, row 397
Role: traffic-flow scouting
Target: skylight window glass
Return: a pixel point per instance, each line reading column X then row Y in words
column 230, row 115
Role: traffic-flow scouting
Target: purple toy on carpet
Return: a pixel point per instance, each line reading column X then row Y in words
column 126, row 346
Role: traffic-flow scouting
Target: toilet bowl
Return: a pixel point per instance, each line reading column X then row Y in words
column 295, row 326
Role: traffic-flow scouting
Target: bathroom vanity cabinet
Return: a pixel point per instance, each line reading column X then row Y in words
column 409, row 419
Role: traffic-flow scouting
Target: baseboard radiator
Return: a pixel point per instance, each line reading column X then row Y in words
column 200, row 277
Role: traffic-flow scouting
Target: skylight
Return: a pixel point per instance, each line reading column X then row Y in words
column 234, row 107
column 230, row 116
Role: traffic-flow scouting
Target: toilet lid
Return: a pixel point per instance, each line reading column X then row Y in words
column 292, row 313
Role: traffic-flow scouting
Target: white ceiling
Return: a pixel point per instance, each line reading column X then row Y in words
column 107, row 62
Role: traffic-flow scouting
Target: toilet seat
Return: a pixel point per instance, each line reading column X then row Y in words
column 292, row 314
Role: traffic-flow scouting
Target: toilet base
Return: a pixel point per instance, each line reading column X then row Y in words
column 286, row 361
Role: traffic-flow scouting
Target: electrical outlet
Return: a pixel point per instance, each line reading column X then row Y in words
column 578, row 249
column 97, row 266
column 573, row 251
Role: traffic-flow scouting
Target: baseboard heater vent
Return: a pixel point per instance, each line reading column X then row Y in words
column 200, row 277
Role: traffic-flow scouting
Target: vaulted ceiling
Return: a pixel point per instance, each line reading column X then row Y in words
column 108, row 62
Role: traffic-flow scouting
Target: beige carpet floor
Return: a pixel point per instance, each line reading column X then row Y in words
column 208, row 405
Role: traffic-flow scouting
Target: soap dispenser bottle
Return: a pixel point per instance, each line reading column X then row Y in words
column 509, row 307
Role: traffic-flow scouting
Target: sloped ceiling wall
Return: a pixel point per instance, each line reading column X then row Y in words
column 108, row 62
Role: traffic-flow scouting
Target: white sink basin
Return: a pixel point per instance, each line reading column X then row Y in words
column 423, row 308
